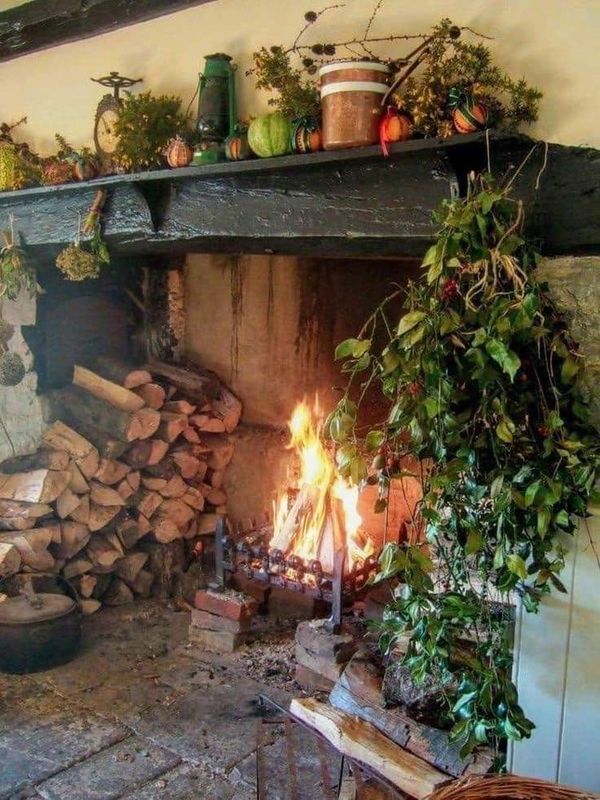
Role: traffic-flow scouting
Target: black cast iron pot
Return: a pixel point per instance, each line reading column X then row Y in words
column 39, row 629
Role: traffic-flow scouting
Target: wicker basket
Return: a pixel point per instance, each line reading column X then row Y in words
column 508, row 787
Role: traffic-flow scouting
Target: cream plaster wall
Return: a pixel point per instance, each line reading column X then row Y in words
column 552, row 42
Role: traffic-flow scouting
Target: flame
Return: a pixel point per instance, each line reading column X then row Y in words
column 302, row 525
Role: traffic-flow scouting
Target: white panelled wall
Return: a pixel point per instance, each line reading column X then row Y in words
column 557, row 672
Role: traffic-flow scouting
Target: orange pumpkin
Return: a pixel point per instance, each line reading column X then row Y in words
column 178, row 153
column 394, row 127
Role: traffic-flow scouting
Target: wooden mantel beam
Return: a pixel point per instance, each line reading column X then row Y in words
column 39, row 24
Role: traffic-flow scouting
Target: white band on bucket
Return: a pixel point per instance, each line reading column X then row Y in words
column 373, row 66
column 353, row 86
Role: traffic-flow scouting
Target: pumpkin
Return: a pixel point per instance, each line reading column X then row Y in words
column 305, row 136
column 56, row 171
column 178, row 153
column 269, row 135
column 468, row 115
column 394, row 126
column 237, row 147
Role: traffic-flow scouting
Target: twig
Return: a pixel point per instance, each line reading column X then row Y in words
column 540, row 173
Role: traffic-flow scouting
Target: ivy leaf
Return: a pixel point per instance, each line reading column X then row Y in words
column 570, row 369
column 505, row 430
column 516, row 565
column 345, row 348
column 544, row 516
column 507, row 359
column 496, row 486
column 531, row 492
column 474, row 543
column 391, row 359
column 374, row 440
column 409, row 321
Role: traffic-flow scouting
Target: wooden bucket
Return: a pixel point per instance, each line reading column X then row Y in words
column 351, row 94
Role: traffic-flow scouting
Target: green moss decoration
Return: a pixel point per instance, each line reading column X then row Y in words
column 12, row 369
column 145, row 126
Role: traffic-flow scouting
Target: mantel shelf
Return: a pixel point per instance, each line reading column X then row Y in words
column 346, row 202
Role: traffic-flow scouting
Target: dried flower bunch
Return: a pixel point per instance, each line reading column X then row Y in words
column 16, row 271
column 144, row 128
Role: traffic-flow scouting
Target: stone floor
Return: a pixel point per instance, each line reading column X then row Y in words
column 142, row 715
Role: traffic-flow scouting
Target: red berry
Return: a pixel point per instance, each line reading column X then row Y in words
column 449, row 289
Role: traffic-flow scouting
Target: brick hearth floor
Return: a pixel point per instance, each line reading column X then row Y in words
column 142, row 715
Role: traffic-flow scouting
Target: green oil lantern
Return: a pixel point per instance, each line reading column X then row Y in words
column 216, row 108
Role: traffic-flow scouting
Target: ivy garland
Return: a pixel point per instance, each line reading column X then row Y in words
column 484, row 388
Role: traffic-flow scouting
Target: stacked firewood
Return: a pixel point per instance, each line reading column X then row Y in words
column 135, row 456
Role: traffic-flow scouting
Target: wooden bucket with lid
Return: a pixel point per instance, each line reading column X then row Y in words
column 351, row 94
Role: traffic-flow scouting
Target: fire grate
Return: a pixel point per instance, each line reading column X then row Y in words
column 247, row 553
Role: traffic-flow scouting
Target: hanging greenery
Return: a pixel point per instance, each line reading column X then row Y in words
column 144, row 127
column 483, row 386
column 80, row 261
column 17, row 273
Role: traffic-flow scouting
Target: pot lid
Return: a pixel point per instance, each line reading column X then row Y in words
column 20, row 610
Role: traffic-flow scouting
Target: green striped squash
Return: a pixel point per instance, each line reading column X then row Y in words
column 269, row 135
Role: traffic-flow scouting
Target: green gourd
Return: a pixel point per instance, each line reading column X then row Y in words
column 269, row 135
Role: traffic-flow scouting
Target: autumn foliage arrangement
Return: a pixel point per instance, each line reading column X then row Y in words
column 483, row 385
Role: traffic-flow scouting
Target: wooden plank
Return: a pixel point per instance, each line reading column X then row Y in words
column 47, row 23
column 362, row 742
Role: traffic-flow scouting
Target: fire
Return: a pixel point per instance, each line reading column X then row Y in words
column 304, row 526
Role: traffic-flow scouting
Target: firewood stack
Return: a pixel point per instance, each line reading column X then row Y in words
column 135, row 456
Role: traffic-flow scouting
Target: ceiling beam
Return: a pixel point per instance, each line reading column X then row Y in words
column 40, row 24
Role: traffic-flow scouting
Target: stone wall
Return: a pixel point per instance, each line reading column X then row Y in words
column 20, row 411
column 574, row 283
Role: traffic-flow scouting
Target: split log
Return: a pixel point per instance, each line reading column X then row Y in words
column 227, row 407
column 217, row 450
column 191, row 530
column 14, row 524
column 41, row 459
column 114, row 541
column 152, row 394
column 100, row 516
column 85, row 585
column 16, row 508
column 118, row 593
column 164, row 528
column 66, row 503
column 191, row 435
column 142, row 585
column 128, row 568
column 133, row 479
column 105, row 444
column 216, row 478
column 179, row 512
column 198, row 388
column 146, row 453
column 176, row 487
column 164, row 469
column 61, row 437
column 187, row 464
column 10, row 559
column 125, row 490
column 179, row 407
column 101, row 553
column 194, row 498
column 148, row 421
column 358, row 691
column 361, row 741
column 144, row 525
column 215, row 497
column 104, row 495
column 78, row 566
column 89, row 606
column 38, row 486
column 154, row 484
column 147, row 502
column 128, row 530
column 111, row 393
column 82, row 512
column 74, row 537
column 84, row 410
column 77, row 483
column 110, row 471
column 33, row 546
column 103, row 581
column 124, row 374
column 208, row 424
column 171, row 425
column 207, row 523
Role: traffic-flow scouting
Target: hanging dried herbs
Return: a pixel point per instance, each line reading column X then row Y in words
column 483, row 386
column 16, row 271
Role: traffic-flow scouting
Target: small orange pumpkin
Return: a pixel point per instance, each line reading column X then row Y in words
column 394, row 127
column 178, row 153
